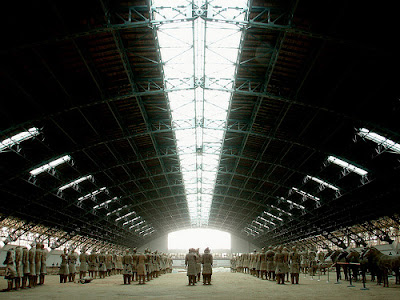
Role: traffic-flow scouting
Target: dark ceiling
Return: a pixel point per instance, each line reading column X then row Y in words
column 310, row 74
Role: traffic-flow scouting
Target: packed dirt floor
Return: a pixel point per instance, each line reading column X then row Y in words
column 225, row 285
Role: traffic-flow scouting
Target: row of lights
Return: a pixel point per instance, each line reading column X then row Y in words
column 364, row 133
column 15, row 140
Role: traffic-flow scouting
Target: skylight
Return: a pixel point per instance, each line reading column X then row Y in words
column 380, row 140
column 273, row 216
column 116, row 210
column 50, row 165
column 295, row 204
column 347, row 165
column 281, row 210
column 323, row 183
column 196, row 52
column 18, row 138
column 75, row 182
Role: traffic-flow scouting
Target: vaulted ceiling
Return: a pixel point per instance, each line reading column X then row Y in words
column 89, row 76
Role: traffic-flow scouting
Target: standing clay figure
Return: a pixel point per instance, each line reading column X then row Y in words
column 191, row 263
column 285, row 253
column 312, row 255
column 127, row 264
column 207, row 262
column 279, row 260
column 252, row 262
column 263, row 264
column 119, row 265
column 134, row 265
column 38, row 262
column 72, row 259
column 93, row 264
column 109, row 263
column 270, row 263
column 25, row 262
column 141, row 267
column 198, row 265
column 83, row 260
column 102, row 264
column 18, row 267
column 294, row 259
column 114, row 263
column 43, row 267
column 63, row 272
column 258, row 264
column 32, row 267
column 10, row 272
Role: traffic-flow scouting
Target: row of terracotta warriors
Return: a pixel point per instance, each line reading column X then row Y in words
column 25, row 266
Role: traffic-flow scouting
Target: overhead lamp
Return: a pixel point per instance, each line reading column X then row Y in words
column 304, row 194
column 273, row 216
column 92, row 194
column 124, row 216
column 75, row 182
column 116, row 210
column 323, row 183
column 281, row 210
column 295, row 204
column 347, row 165
column 50, row 165
column 18, row 138
column 379, row 139
column 105, row 203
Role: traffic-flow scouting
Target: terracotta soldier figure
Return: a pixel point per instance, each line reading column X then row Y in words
column 312, row 255
column 43, row 267
column 109, row 263
column 72, row 259
column 263, row 264
column 83, row 260
column 127, row 264
column 141, row 268
column 198, row 265
column 207, row 262
column 119, row 266
column 10, row 272
column 191, row 263
column 134, row 265
column 26, row 270
column 63, row 272
column 295, row 259
column 114, row 263
column 93, row 264
column 102, row 264
column 18, row 267
column 279, row 260
column 285, row 253
column 38, row 262
column 32, row 267
column 270, row 263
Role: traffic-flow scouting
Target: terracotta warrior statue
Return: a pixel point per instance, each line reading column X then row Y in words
column 285, row 253
column 312, row 255
column 43, row 267
column 109, row 263
column 83, row 260
column 294, row 259
column 18, row 267
column 26, row 270
column 127, row 264
column 119, row 267
column 207, row 262
column 38, row 262
column 263, row 264
column 270, row 263
column 198, row 265
column 114, row 263
column 102, row 264
column 64, row 272
column 141, row 268
column 10, row 273
column 72, row 259
column 134, row 265
column 191, row 264
column 93, row 264
column 32, row 267
column 279, row 260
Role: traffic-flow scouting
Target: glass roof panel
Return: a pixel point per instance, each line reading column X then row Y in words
column 196, row 52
